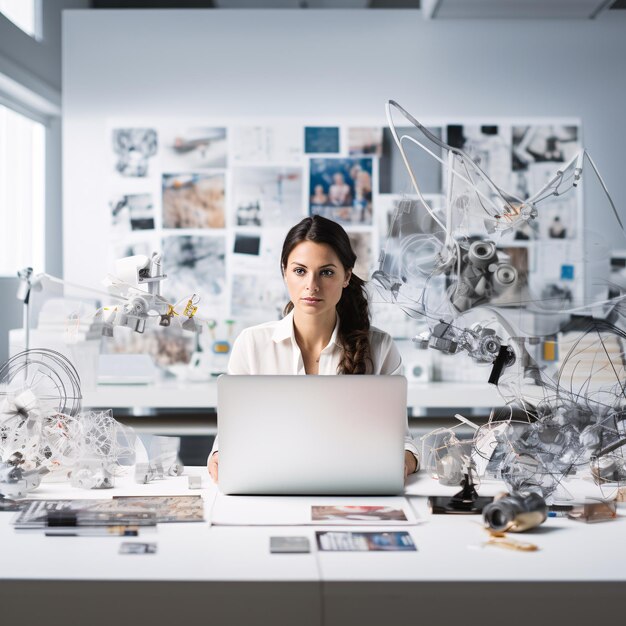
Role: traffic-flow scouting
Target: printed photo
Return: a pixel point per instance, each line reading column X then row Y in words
column 539, row 144
column 321, row 139
column 362, row 245
column 193, row 148
column 194, row 264
column 336, row 513
column 335, row 541
column 392, row 173
column 133, row 149
column 365, row 140
column 267, row 144
column 267, row 196
column 193, row 201
column 341, row 190
column 247, row 244
column 489, row 146
column 132, row 212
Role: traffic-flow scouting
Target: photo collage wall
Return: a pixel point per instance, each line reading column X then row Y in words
column 217, row 200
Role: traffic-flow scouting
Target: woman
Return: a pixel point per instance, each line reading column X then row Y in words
column 326, row 328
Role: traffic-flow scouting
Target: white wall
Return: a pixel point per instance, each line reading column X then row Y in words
column 326, row 63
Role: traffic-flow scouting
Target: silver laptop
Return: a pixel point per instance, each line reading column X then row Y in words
column 294, row 435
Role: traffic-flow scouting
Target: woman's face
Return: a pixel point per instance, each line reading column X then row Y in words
column 315, row 278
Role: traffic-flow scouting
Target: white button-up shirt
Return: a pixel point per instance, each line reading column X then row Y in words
column 271, row 348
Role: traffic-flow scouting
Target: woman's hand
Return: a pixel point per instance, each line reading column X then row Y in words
column 410, row 463
column 212, row 465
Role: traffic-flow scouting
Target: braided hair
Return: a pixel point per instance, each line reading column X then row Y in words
column 353, row 307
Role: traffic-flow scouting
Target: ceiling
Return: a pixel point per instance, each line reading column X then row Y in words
column 431, row 9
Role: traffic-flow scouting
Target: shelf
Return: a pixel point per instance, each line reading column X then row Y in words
column 203, row 396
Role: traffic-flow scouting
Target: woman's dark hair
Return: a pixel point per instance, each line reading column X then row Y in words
column 352, row 308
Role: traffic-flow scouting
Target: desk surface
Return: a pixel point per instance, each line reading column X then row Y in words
column 448, row 549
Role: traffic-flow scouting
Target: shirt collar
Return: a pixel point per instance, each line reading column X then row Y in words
column 284, row 330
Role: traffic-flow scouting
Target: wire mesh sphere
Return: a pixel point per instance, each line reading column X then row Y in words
column 48, row 375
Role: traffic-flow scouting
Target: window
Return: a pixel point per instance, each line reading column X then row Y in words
column 24, row 14
column 22, row 189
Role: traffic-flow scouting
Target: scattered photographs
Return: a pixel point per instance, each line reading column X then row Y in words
column 337, row 541
column 193, row 201
column 341, row 190
column 321, row 139
column 194, row 264
column 392, row 173
column 362, row 245
column 133, row 149
column 132, row 212
column 365, row 140
column 489, row 146
column 193, row 148
column 267, row 196
column 349, row 513
column 258, row 296
column 135, row 547
column 267, row 144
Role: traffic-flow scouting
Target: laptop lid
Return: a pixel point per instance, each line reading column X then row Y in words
column 295, row 435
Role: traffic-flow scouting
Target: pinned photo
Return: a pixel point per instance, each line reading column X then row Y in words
column 321, row 139
column 540, row 144
column 365, row 141
column 193, row 148
column 267, row 144
column 193, row 201
column 194, row 264
column 133, row 149
column 267, row 196
column 132, row 212
column 341, row 190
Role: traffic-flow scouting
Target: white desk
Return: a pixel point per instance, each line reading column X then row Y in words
column 226, row 576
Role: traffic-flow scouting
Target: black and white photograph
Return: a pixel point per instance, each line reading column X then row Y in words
column 392, row 173
column 256, row 250
column 267, row 196
column 248, row 244
column 193, row 200
column 186, row 149
column 132, row 212
column 258, row 297
column 365, row 140
column 403, row 215
column 341, row 190
column 362, row 243
column 321, row 139
column 489, row 147
column 194, row 264
column 267, row 144
column 540, row 144
column 133, row 150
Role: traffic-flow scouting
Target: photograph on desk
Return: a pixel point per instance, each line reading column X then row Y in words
column 138, row 510
column 338, row 514
column 334, row 541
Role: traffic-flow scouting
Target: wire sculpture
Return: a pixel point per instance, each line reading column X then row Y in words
column 556, row 355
